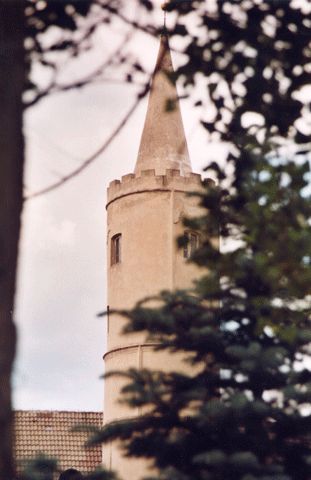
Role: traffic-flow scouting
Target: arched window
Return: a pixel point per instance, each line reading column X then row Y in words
column 116, row 249
column 192, row 241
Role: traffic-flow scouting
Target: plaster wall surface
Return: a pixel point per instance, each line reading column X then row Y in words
column 148, row 212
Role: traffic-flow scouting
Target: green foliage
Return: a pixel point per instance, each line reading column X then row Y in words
column 45, row 16
column 255, row 55
column 40, row 468
column 64, row 29
column 245, row 328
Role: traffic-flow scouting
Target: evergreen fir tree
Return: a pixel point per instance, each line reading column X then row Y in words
column 246, row 331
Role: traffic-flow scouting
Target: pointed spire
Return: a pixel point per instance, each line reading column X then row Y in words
column 163, row 143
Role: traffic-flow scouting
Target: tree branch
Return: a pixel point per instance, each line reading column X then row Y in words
column 96, row 154
column 54, row 87
column 137, row 26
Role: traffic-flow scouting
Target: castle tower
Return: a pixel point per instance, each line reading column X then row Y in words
column 145, row 212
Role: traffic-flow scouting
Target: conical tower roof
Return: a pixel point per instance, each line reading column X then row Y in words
column 163, row 143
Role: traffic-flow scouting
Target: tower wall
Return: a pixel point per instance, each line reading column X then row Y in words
column 147, row 211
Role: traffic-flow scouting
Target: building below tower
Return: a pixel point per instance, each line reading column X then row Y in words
column 52, row 434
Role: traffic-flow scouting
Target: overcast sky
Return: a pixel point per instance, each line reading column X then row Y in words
column 62, row 263
column 62, row 267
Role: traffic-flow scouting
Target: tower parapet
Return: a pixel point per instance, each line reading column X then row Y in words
column 150, row 181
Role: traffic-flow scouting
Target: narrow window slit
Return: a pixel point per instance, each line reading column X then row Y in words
column 191, row 244
column 116, row 249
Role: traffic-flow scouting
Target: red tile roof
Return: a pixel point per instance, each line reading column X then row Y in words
column 50, row 433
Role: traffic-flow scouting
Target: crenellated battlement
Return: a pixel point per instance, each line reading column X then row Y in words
column 147, row 180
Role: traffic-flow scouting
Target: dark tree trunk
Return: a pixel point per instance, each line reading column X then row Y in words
column 12, row 73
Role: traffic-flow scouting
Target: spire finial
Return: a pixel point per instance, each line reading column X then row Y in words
column 163, row 6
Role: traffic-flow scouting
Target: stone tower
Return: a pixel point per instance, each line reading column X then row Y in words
column 145, row 211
